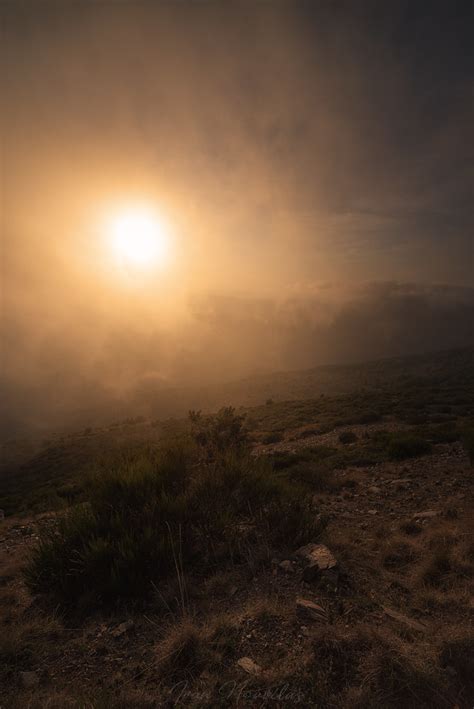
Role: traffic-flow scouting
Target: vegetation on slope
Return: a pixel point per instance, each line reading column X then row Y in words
column 196, row 505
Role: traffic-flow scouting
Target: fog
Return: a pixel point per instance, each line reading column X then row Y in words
column 313, row 161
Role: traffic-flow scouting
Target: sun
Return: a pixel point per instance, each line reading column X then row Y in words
column 139, row 237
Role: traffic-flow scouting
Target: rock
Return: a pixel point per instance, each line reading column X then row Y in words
column 309, row 611
column 372, row 512
column 123, row 628
column 319, row 562
column 249, row 666
column 409, row 622
column 374, row 490
column 426, row 515
column 29, row 679
column 286, row 566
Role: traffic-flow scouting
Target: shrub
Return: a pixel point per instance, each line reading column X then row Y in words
column 274, row 437
column 438, row 568
column 311, row 476
column 223, row 432
column 468, row 443
column 308, row 433
column 444, row 433
column 282, row 460
column 155, row 514
column 347, row 437
column 403, row 447
column 397, row 555
column 368, row 417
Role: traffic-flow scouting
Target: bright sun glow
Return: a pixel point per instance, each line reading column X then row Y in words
column 139, row 238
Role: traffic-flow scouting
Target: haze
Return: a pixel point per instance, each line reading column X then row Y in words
column 313, row 162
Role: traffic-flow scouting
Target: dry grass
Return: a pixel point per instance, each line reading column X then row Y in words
column 21, row 643
column 449, row 562
column 398, row 554
column 184, row 651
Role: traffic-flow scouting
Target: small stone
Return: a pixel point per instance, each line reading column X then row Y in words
column 249, row 666
column 309, row 611
column 29, row 679
column 426, row 515
column 372, row 512
column 374, row 490
column 123, row 628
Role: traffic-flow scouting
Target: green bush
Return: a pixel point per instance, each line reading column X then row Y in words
column 154, row 514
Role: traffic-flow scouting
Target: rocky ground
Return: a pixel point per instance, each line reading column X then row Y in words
column 392, row 570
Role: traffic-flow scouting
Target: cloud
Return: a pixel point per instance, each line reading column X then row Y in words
column 301, row 151
column 228, row 337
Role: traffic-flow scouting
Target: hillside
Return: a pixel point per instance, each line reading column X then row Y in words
column 313, row 551
column 434, row 378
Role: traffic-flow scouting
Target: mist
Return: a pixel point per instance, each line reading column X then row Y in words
column 97, row 376
column 313, row 160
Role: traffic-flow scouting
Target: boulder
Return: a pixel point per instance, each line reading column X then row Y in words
column 319, row 562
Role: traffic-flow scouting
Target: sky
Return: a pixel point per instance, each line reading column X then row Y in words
column 314, row 161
